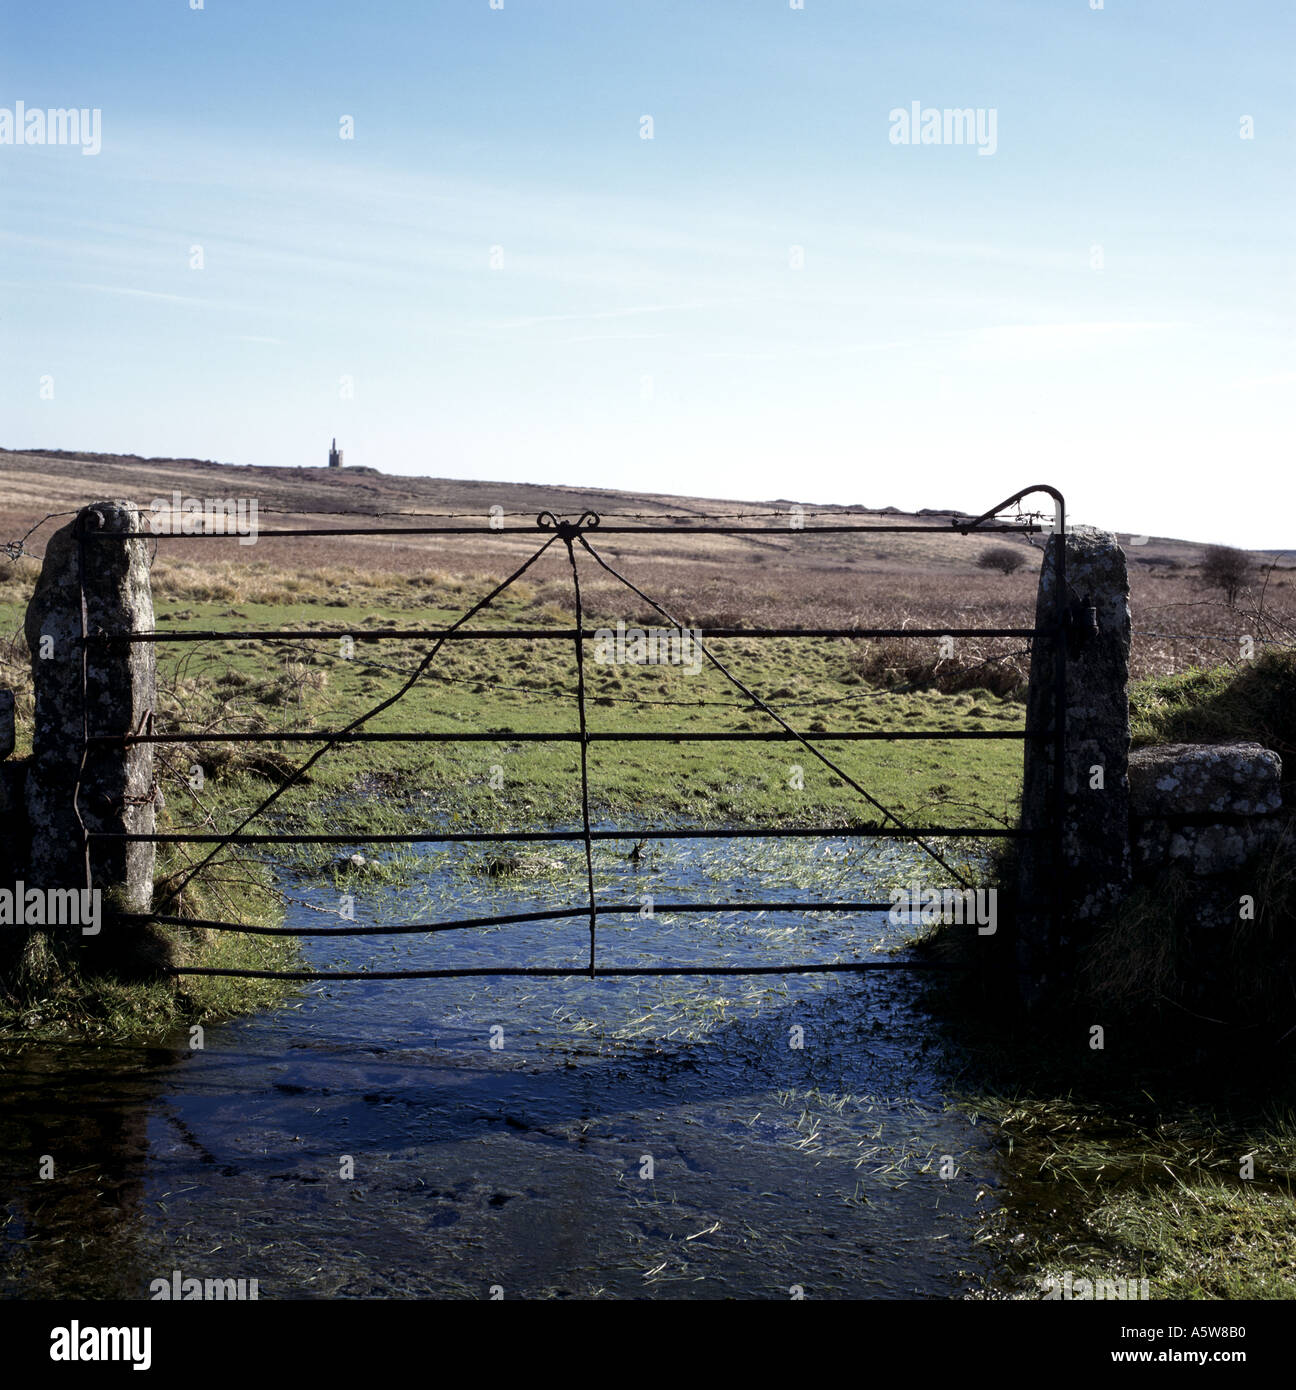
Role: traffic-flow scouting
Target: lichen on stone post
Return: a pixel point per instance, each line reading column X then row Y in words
column 1073, row 876
column 74, row 788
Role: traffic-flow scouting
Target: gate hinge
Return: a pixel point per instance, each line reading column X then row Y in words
column 1081, row 624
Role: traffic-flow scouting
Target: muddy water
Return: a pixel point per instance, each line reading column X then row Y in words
column 699, row 1137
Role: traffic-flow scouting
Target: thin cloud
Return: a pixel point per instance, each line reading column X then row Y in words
column 610, row 314
column 1036, row 338
column 613, row 338
column 141, row 294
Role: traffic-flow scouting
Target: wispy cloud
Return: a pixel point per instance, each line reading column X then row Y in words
column 596, row 314
column 142, row 294
column 613, row 338
column 110, row 289
column 1034, row 339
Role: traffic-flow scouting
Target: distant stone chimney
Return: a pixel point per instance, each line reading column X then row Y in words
column 335, row 456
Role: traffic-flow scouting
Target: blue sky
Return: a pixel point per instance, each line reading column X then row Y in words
column 946, row 339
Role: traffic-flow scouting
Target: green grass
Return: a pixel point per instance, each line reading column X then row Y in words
column 1255, row 700
column 528, row 686
column 1211, row 1240
column 1129, row 1188
column 1125, row 1161
column 489, row 686
column 58, row 988
column 75, row 1001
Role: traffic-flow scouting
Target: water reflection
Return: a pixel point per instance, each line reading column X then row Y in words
column 628, row 1138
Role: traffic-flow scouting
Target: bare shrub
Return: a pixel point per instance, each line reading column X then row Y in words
column 1003, row 558
column 1224, row 568
column 915, row 663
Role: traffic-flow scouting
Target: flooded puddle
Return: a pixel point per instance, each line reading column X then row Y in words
column 696, row 1137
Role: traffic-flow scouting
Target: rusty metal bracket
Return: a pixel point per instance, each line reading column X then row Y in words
column 1081, row 625
column 568, row 530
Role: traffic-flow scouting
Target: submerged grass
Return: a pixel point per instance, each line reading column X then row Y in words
column 1198, row 1203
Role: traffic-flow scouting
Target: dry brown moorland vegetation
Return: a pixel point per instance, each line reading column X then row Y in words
column 785, row 578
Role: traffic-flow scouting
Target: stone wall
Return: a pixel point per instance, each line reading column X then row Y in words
column 1207, row 810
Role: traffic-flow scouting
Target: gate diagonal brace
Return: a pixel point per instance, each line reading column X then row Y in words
column 778, row 718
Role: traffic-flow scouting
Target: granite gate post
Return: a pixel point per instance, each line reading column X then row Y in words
column 1074, row 874
column 89, row 588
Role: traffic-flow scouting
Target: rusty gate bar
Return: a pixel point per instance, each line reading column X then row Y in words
column 565, row 972
column 550, row 634
column 507, row 919
column 570, row 736
column 603, row 530
column 469, row 837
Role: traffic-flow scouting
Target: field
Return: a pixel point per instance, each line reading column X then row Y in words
column 780, row 578
column 1086, row 1188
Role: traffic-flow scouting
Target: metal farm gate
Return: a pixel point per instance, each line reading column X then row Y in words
column 574, row 536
